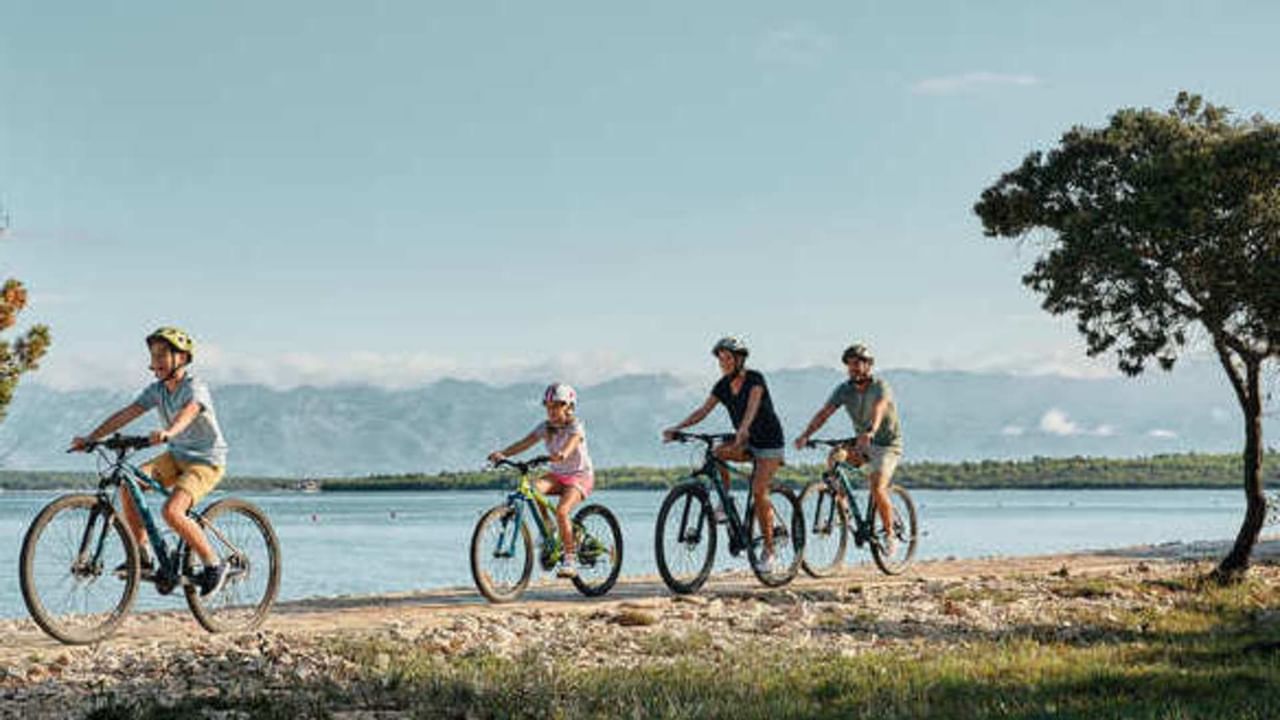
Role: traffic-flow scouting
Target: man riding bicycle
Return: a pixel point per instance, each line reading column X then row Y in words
column 871, row 407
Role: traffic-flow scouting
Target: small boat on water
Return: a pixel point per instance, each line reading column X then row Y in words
column 308, row 486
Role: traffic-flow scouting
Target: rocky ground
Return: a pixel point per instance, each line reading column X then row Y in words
column 938, row 604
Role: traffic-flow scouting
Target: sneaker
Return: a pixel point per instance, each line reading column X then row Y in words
column 889, row 544
column 767, row 564
column 568, row 567
column 212, row 578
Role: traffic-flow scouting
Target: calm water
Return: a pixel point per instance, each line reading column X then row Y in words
column 337, row 544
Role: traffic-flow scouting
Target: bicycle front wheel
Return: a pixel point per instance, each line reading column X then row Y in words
column 242, row 536
column 827, row 524
column 599, row 546
column 78, row 569
column 684, row 541
column 788, row 539
column 501, row 555
column 894, row 550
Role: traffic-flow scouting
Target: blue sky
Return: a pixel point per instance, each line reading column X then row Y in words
column 395, row 191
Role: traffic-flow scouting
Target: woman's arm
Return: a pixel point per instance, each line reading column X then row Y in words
column 694, row 418
column 748, row 417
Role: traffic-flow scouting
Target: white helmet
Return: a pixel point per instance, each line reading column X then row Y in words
column 732, row 344
column 559, row 392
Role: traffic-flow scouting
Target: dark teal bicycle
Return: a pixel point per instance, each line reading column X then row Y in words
column 503, row 549
column 80, row 566
column 685, row 533
column 830, row 507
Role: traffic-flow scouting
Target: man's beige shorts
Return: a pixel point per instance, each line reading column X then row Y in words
column 880, row 459
column 196, row 478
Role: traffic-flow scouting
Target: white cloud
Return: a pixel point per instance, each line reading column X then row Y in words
column 1162, row 433
column 1056, row 422
column 287, row 370
column 797, row 44
column 1012, row 430
column 957, row 84
column 1104, row 430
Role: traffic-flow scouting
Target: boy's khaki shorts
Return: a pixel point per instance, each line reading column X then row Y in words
column 196, row 478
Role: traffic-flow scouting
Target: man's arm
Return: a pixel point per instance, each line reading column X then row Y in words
column 819, row 419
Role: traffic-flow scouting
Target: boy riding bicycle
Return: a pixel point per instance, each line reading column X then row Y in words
column 197, row 453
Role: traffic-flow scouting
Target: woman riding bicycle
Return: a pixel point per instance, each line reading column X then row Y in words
column 758, row 437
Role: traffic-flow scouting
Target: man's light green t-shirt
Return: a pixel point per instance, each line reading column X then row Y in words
column 859, row 405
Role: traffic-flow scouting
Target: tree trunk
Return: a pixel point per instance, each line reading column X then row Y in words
column 1235, row 564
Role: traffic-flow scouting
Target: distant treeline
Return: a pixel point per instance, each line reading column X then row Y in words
column 1172, row 471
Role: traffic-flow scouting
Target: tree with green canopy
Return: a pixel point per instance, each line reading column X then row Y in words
column 1159, row 233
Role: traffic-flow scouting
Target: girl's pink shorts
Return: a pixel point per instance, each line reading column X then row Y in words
column 584, row 483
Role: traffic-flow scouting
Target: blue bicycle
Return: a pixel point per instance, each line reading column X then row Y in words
column 80, row 566
column 502, row 548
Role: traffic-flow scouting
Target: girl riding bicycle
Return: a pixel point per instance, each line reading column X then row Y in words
column 571, row 475
column 759, row 433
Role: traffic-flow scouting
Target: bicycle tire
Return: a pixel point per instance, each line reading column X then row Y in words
column 826, row 529
column 791, row 529
column 691, row 503
column 589, row 580
column 483, row 553
column 905, row 530
column 76, row 535
column 252, row 552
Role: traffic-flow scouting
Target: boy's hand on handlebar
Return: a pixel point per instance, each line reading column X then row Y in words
column 78, row 444
column 159, row 437
column 669, row 435
column 496, row 457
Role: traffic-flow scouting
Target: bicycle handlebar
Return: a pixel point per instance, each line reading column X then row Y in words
column 833, row 442
column 118, row 442
column 524, row 467
column 708, row 438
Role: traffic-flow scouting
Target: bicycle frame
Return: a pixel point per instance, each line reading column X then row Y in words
column 710, row 475
column 129, row 478
column 524, row 498
column 846, row 475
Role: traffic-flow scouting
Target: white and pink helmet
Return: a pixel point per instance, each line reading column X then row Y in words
column 559, row 392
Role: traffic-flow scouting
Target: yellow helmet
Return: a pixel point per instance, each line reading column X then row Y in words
column 176, row 338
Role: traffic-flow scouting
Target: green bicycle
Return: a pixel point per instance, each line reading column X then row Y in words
column 828, row 503
column 502, row 548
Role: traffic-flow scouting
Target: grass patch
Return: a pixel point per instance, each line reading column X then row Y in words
column 1207, row 653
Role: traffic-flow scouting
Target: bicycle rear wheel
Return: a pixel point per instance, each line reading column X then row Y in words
column 599, row 547
column 67, row 569
column 904, row 532
column 501, row 555
column 788, row 539
column 827, row 524
column 684, row 540
column 242, row 536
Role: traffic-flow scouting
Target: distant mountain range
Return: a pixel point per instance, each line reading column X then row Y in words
column 452, row 425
